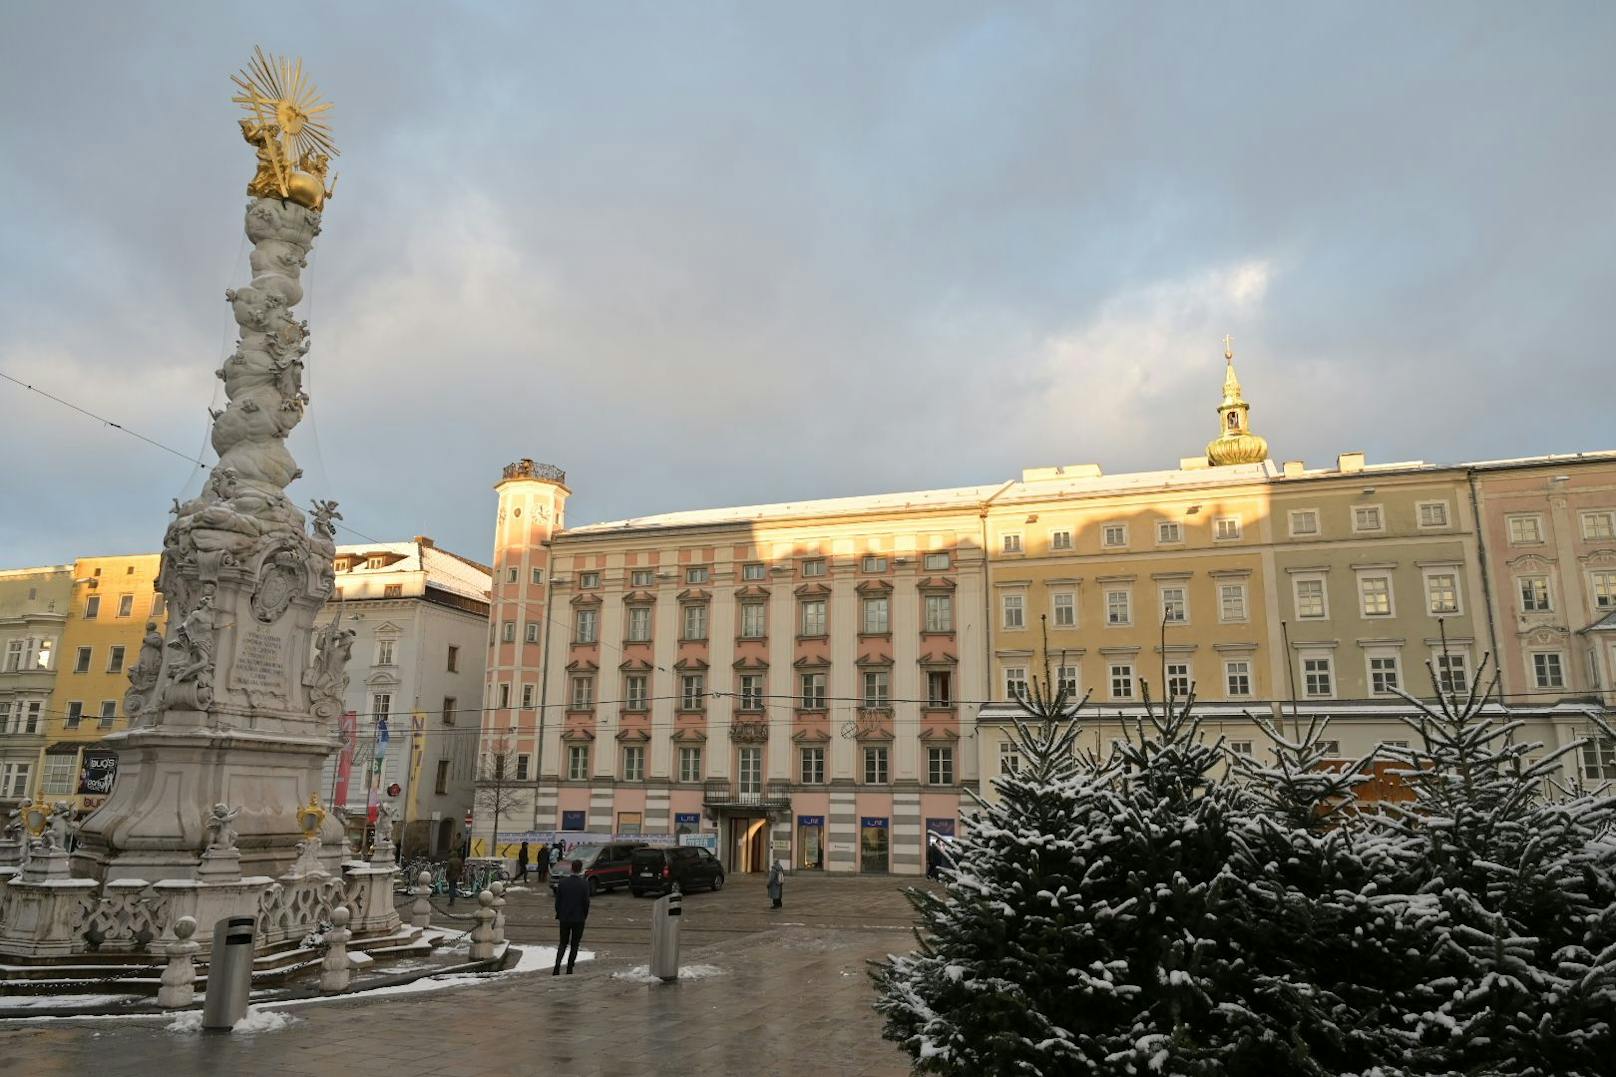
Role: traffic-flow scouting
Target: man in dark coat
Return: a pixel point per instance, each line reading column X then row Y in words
column 571, row 909
column 521, row 864
column 451, row 874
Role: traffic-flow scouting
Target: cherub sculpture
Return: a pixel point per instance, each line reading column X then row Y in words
column 221, row 834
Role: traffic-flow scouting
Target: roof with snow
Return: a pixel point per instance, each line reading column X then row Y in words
column 444, row 570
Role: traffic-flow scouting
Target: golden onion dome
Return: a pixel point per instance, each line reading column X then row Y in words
column 1235, row 443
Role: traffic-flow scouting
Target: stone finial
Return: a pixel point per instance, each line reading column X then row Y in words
column 421, row 911
column 335, row 972
column 498, row 890
column 178, row 988
column 482, row 936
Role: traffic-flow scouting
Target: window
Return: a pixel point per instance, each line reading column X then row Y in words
column 376, row 561
column 583, row 692
column 1015, row 682
column 1225, row 528
column 1599, row 525
column 1366, row 518
column 522, row 764
column 695, row 622
column 531, row 632
column 157, row 603
column 753, row 617
column 874, row 563
column 92, row 607
column 936, row 562
column 1304, row 522
column 1012, row 542
column 1237, row 677
column 1534, row 594
column 1231, row 602
column 1599, row 759
column 508, row 632
column 1117, row 610
column 75, row 713
column 697, row 574
column 577, row 762
column 527, row 697
column 1310, row 597
column 510, row 575
column 1066, row 680
column 940, row 766
column 14, row 655
column 1330, row 748
column 81, row 661
column 939, row 688
column 642, row 577
column 634, row 763
column 384, row 652
column 1383, row 674
column 504, row 695
column 749, row 769
column 1015, row 614
column 1524, row 530
column 14, row 780
column 126, row 605
column 31, row 725
column 639, row 624
column 1240, row 747
column 1060, row 540
column 876, row 620
column 1114, row 535
column 1175, row 605
column 690, row 764
column 42, row 660
column 1169, row 531
column 1009, row 758
column 1375, row 596
column 1604, row 589
column 635, row 691
column 875, row 765
column 1121, row 680
column 1178, row 680
column 454, row 659
column 751, row 691
column 1451, row 674
column 115, row 659
column 939, row 613
column 692, row 689
column 813, row 617
column 1318, row 678
column 587, row 580
column 1065, row 609
column 814, row 567
column 448, row 710
column 585, row 625
column 754, row 570
column 537, row 575
column 877, row 688
column 392, row 590
column 441, row 786
column 813, row 766
column 1433, row 513
column 1547, row 671
column 1442, row 593
column 813, row 691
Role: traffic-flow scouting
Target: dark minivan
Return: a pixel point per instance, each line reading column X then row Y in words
column 605, row 866
column 657, row 869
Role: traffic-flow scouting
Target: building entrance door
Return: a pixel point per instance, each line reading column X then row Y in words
column 748, row 843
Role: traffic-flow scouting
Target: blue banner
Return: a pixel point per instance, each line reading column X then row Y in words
column 873, row 822
column 572, row 820
column 810, row 820
column 943, row 828
column 687, row 818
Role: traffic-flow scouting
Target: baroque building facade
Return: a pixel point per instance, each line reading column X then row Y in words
column 34, row 605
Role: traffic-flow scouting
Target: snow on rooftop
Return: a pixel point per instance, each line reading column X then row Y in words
column 444, row 570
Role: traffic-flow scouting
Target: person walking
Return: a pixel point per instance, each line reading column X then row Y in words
column 541, row 861
column 777, row 883
column 451, row 874
column 521, row 864
column 571, row 909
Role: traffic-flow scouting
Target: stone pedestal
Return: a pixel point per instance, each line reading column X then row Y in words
column 369, row 888
column 40, row 914
column 209, row 902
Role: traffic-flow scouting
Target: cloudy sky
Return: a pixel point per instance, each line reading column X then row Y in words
column 704, row 254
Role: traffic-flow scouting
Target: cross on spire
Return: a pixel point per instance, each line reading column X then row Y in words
column 1228, row 347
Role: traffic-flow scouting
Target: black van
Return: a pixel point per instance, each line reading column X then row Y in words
column 655, row 870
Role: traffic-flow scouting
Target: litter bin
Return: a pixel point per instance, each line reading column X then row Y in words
column 665, row 916
column 229, row 973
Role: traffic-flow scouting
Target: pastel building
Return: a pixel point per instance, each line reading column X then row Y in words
column 33, row 613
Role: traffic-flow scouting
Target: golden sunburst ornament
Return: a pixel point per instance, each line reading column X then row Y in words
column 286, row 128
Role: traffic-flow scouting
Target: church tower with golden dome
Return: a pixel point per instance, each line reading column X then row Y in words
column 1235, row 443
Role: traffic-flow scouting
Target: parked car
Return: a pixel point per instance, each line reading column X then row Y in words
column 657, row 869
column 605, row 866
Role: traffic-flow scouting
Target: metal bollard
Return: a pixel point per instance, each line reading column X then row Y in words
column 230, row 967
column 665, row 917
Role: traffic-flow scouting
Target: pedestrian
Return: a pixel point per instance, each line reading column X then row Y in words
column 451, row 874
column 777, row 882
column 541, row 861
column 555, row 853
column 521, row 864
column 571, row 909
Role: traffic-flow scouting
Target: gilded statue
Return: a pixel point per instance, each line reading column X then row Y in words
column 285, row 127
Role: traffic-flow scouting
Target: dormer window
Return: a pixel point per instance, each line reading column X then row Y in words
column 376, row 561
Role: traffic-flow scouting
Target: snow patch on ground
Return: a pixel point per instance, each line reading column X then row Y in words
column 257, row 1020
column 40, row 1002
column 641, row 974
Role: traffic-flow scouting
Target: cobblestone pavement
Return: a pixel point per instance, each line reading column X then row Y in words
column 793, row 998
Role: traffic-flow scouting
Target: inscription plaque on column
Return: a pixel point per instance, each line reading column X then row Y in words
column 260, row 662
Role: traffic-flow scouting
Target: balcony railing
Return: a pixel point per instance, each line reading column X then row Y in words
column 527, row 469
column 741, row 795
